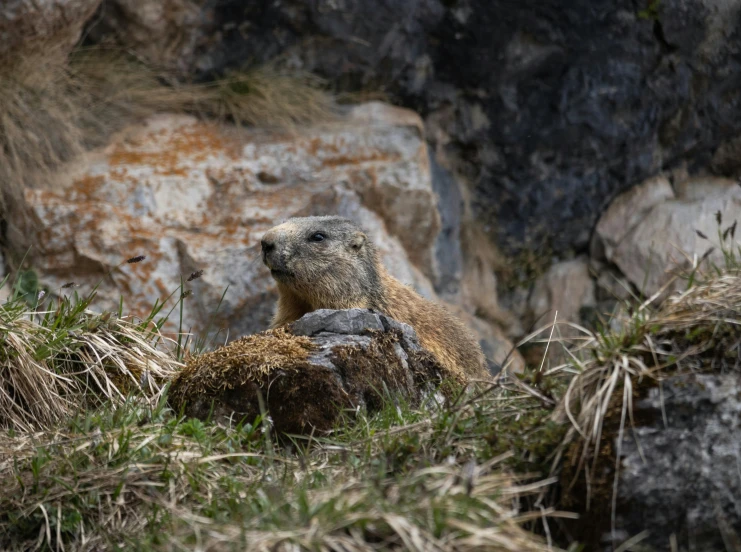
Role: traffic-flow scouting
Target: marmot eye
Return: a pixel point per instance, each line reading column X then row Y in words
column 317, row 237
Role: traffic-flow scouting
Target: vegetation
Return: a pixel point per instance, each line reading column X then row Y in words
column 58, row 356
column 141, row 477
column 92, row 455
column 54, row 106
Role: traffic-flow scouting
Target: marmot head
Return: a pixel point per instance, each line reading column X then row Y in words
column 327, row 261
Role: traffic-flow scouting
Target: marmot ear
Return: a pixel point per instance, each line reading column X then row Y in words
column 357, row 241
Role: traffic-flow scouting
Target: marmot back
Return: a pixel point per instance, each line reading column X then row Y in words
column 329, row 263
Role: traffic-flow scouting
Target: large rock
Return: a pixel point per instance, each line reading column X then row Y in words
column 678, row 485
column 196, row 196
column 654, row 235
column 684, row 479
column 625, row 213
column 498, row 350
column 550, row 108
column 326, row 362
column 42, row 25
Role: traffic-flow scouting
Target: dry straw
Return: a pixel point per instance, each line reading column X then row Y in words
column 55, row 106
column 52, row 363
column 690, row 332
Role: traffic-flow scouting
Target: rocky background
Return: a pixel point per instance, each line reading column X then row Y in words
column 528, row 159
column 521, row 161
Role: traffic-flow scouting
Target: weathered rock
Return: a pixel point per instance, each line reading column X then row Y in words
column 400, row 193
column 626, row 212
column 653, row 234
column 561, row 293
column 610, row 283
column 466, row 261
column 698, row 188
column 479, row 282
column 191, row 195
column 42, row 24
column 448, row 252
column 499, row 351
column 306, row 375
column 679, row 468
column 553, row 108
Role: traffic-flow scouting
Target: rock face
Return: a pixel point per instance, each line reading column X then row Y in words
column 193, row 196
column 539, row 114
column 542, row 113
column 684, row 480
column 653, row 233
column 324, row 363
column 548, row 110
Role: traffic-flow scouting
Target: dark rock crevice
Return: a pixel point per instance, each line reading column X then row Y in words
column 555, row 108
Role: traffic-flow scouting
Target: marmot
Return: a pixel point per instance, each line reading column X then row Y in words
column 329, row 263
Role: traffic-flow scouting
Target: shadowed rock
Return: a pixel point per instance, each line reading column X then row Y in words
column 549, row 109
column 27, row 24
column 679, row 473
column 678, row 476
column 306, row 374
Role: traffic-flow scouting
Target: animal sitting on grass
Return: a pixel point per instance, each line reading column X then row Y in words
column 329, row 263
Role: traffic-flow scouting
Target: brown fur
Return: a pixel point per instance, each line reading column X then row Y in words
column 342, row 271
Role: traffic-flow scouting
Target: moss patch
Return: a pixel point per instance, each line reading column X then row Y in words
column 249, row 358
column 302, row 389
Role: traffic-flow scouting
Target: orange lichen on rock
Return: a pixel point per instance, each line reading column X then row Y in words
column 338, row 160
column 192, row 143
column 87, row 187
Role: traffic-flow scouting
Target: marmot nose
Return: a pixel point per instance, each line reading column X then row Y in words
column 267, row 245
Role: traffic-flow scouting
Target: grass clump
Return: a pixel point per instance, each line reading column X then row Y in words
column 606, row 371
column 142, row 478
column 697, row 330
column 57, row 356
column 55, row 106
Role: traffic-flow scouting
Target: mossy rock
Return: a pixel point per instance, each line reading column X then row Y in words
column 678, row 468
column 306, row 374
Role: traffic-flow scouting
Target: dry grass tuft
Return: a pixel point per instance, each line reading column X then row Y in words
column 52, row 363
column 245, row 359
column 54, row 106
column 695, row 331
column 266, row 97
